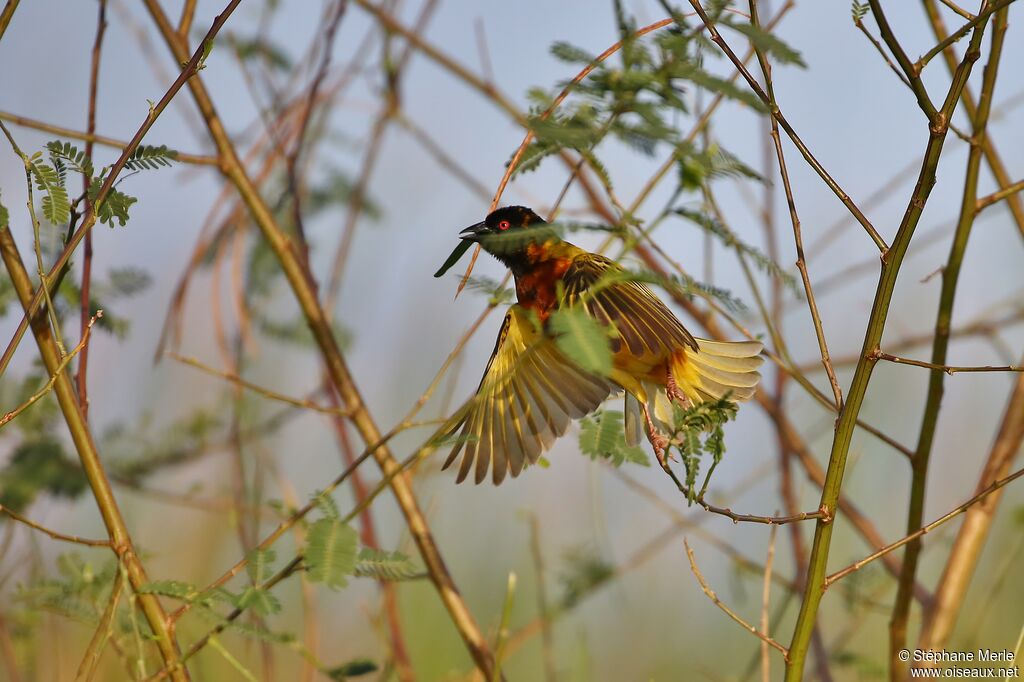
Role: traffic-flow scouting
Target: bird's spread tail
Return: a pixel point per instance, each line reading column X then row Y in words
column 719, row 369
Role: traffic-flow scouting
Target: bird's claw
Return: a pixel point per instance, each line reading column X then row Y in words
column 660, row 444
column 674, row 392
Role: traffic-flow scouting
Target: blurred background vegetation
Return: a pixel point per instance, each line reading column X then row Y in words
column 403, row 147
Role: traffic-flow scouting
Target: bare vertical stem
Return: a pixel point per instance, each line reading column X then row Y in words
column 90, row 129
column 891, row 262
column 936, row 381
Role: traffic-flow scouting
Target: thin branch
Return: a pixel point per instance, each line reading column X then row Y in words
column 501, row 639
column 1006, row 192
column 48, row 386
column 961, row 32
column 56, row 535
column 948, row 369
column 86, row 303
column 25, row 122
column 729, row 612
column 801, row 262
column 881, row 50
column 912, row 71
column 983, row 327
column 543, row 611
column 957, row 8
column 304, row 403
column 767, row 520
column 856, row 566
column 188, row 13
column 306, row 115
column 103, row 632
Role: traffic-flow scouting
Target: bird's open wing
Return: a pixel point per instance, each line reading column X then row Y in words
column 529, row 394
column 646, row 325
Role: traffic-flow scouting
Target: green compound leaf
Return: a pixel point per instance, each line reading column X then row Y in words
column 259, row 600
column 770, row 43
column 331, row 552
column 114, row 207
column 70, row 156
column 50, row 179
column 149, row 157
column 602, row 435
column 375, row 563
column 582, row 339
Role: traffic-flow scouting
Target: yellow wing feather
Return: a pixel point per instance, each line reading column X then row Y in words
column 529, row 394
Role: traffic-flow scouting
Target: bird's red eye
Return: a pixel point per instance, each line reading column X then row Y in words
column 504, row 225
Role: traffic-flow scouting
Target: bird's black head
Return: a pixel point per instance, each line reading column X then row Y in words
column 505, row 234
column 500, row 221
column 508, row 233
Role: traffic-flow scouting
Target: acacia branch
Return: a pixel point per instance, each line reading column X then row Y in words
column 940, row 348
column 81, row 378
column 303, row 403
column 1005, row 193
column 857, row 565
column 767, row 520
column 26, row 122
column 947, row 369
column 304, row 290
column 912, row 71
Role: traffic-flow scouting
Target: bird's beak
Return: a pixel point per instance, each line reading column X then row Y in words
column 473, row 233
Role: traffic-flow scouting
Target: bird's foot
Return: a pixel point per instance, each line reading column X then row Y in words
column 660, row 444
column 674, row 392
column 657, row 439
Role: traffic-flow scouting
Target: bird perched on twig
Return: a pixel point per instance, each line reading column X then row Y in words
column 531, row 390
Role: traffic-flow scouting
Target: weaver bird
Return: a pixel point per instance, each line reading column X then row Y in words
column 531, row 391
